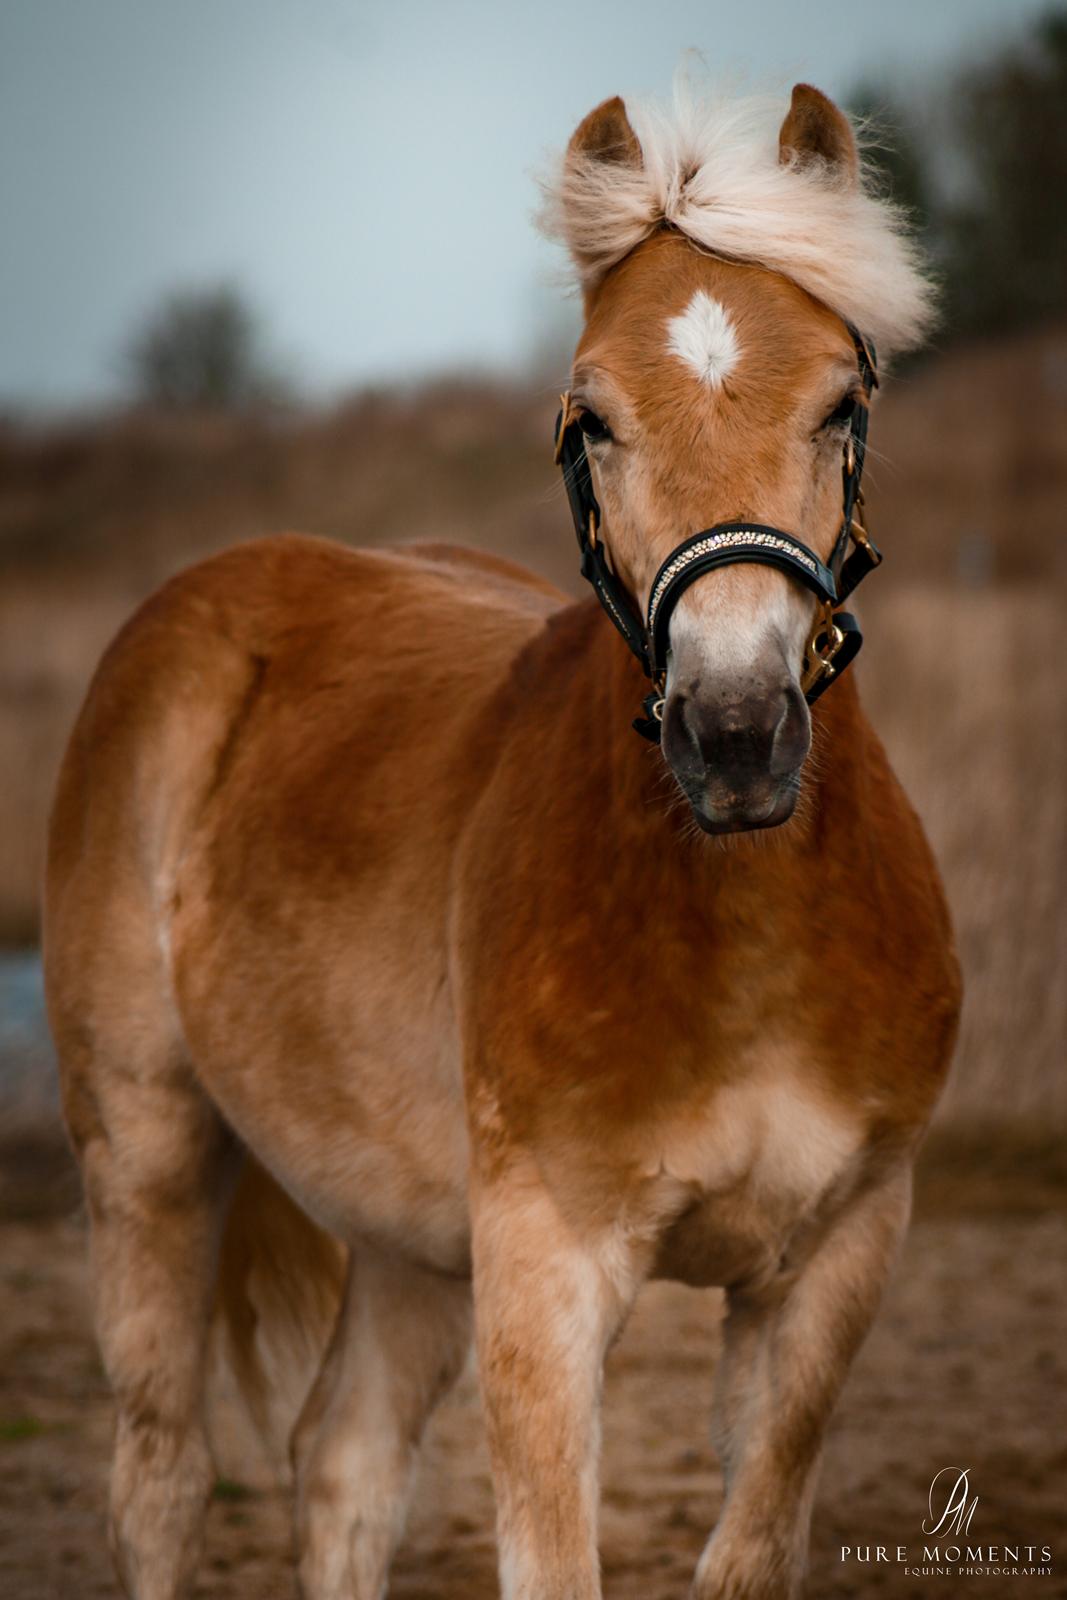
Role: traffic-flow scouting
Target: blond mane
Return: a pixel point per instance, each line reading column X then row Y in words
column 710, row 168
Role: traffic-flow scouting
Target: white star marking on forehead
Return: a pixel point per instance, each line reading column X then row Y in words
column 704, row 338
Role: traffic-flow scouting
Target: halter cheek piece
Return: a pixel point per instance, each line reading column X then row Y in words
column 835, row 637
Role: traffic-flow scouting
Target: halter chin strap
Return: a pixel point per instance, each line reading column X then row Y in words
column 835, row 637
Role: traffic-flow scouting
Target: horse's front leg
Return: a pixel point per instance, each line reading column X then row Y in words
column 787, row 1350
column 546, row 1307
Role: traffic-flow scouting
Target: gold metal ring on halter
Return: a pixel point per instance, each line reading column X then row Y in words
column 819, row 664
column 850, row 455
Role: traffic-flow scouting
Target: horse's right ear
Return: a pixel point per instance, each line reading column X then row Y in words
column 591, row 205
column 606, row 135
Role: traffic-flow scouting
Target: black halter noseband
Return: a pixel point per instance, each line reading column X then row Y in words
column 835, row 637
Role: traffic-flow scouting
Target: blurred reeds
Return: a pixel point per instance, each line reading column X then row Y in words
column 964, row 671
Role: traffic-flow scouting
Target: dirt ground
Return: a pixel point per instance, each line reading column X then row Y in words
column 966, row 1367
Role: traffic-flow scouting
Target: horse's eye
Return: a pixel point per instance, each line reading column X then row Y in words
column 593, row 427
column 842, row 413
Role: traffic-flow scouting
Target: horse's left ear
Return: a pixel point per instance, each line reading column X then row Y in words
column 814, row 129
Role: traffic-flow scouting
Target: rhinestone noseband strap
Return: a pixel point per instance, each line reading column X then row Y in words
column 729, row 542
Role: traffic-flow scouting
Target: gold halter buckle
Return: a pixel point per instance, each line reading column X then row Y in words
column 859, row 535
column 819, row 659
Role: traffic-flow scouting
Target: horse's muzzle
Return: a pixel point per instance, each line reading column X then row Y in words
column 738, row 756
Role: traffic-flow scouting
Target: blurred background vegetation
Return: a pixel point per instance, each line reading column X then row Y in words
column 204, row 350
column 981, row 167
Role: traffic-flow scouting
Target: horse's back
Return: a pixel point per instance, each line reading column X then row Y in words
column 275, row 597
column 341, row 638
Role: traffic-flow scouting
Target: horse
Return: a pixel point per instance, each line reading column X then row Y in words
column 406, row 998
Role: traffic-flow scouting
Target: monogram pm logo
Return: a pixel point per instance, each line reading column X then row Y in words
column 956, row 1509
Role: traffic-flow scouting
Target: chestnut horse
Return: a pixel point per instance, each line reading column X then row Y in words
column 397, row 984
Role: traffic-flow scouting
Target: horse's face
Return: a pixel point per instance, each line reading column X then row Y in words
column 716, row 392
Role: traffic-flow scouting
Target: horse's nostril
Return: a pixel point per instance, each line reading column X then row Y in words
column 750, row 738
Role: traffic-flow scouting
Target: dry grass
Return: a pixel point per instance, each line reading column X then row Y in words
column 963, row 671
column 970, row 702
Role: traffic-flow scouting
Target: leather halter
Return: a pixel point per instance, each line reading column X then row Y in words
column 835, row 637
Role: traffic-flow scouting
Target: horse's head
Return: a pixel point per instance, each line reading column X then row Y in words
column 715, row 381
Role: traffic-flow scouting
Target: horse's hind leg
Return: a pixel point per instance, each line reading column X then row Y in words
column 400, row 1342
column 155, row 1159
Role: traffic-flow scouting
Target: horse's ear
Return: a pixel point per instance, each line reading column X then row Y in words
column 814, row 129
column 595, row 201
column 606, row 135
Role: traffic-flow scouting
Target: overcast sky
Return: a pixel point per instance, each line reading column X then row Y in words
column 362, row 171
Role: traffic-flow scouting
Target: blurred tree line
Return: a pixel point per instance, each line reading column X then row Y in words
column 204, row 349
column 983, row 170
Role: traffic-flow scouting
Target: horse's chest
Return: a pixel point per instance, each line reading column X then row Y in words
column 757, row 1165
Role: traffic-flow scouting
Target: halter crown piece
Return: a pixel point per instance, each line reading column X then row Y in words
column 835, row 637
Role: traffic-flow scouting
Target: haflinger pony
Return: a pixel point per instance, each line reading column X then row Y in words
column 396, row 981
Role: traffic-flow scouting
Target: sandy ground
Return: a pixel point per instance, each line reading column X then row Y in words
column 966, row 1367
